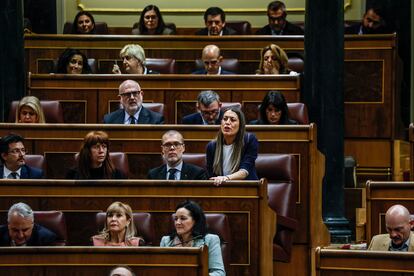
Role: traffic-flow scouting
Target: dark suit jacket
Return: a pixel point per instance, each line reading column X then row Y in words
column 145, row 117
column 260, row 122
column 226, row 31
column 354, row 29
column 248, row 158
column 41, row 236
column 196, row 119
column 188, row 172
column 26, row 172
column 204, row 72
column 290, row 29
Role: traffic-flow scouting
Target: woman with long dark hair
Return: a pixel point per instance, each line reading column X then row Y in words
column 151, row 23
column 73, row 61
column 84, row 23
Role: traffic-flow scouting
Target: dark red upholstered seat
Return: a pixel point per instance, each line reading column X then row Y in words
column 298, row 112
column 35, row 160
column 241, row 27
column 161, row 65
column 55, row 222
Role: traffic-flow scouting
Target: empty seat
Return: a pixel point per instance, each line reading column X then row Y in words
column 198, row 159
column 143, row 222
column 161, row 65
column 100, row 27
column 51, row 109
column 35, row 160
column 55, row 222
column 228, row 64
column 156, row 107
column 241, row 27
column 296, row 64
column 281, row 170
column 298, row 112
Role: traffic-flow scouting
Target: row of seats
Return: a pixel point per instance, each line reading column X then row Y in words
column 168, row 65
column 54, row 113
column 279, row 169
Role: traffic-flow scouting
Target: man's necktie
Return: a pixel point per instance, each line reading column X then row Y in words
column 12, row 175
column 172, row 174
column 132, row 120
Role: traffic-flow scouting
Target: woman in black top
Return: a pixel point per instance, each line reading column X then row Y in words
column 93, row 160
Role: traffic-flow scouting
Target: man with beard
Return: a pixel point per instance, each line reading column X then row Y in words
column 12, row 152
column 131, row 97
column 372, row 23
column 399, row 237
column 172, row 149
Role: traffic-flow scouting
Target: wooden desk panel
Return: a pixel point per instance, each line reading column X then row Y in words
column 330, row 262
column 411, row 139
column 144, row 141
column 177, row 92
column 252, row 221
column 23, row 261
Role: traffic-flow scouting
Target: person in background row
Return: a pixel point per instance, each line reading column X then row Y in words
column 209, row 110
column 12, row 152
column 121, row 271
column 132, row 112
column 73, row 61
column 191, row 231
column 21, row 229
column 172, row 149
column 212, row 59
column 232, row 155
column 119, row 229
column 94, row 161
column 372, row 23
column 274, row 61
column 399, row 237
column 151, row 23
column 215, row 20
column 278, row 25
column 84, row 23
column 29, row 111
column 133, row 61
column 274, row 110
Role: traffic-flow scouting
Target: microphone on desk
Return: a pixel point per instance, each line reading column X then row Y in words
column 183, row 242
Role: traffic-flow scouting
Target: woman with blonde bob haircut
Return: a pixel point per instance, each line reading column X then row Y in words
column 119, row 229
column 29, row 111
column 273, row 61
column 94, row 161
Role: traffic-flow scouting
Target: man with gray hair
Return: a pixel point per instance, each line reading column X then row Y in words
column 133, row 61
column 209, row 110
column 21, row 229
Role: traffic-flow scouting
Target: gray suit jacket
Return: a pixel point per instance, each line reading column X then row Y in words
column 146, row 116
column 215, row 260
column 382, row 242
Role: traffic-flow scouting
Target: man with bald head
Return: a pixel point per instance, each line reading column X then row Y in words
column 132, row 112
column 399, row 237
column 121, row 271
column 212, row 59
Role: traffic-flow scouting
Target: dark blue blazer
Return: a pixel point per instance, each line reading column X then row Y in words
column 196, row 119
column 146, row 116
column 41, row 236
column 26, row 172
column 289, row 29
column 204, row 72
column 188, row 172
column 248, row 158
column 226, row 31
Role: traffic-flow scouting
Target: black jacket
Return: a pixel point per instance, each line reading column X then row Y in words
column 188, row 172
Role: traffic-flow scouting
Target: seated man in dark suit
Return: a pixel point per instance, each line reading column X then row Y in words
column 399, row 237
column 278, row 25
column 215, row 20
column 172, row 149
column 209, row 110
column 372, row 23
column 21, row 229
column 12, row 154
column 212, row 59
column 131, row 97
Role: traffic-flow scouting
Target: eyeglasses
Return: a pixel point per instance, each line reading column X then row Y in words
column 18, row 151
column 210, row 62
column 169, row 145
column 133, row 94
column 210, row 113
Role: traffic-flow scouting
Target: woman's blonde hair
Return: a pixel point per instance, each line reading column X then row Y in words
column 33, row 103
column 280, row 56
column 133, row 50
column 119, row 207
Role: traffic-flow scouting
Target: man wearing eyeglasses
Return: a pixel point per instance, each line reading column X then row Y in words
column 172, row 149
column 209, row 110
column 131, row 97
column 278, row 25
column 212, row 59
column 12, row 154
column 372, row 23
